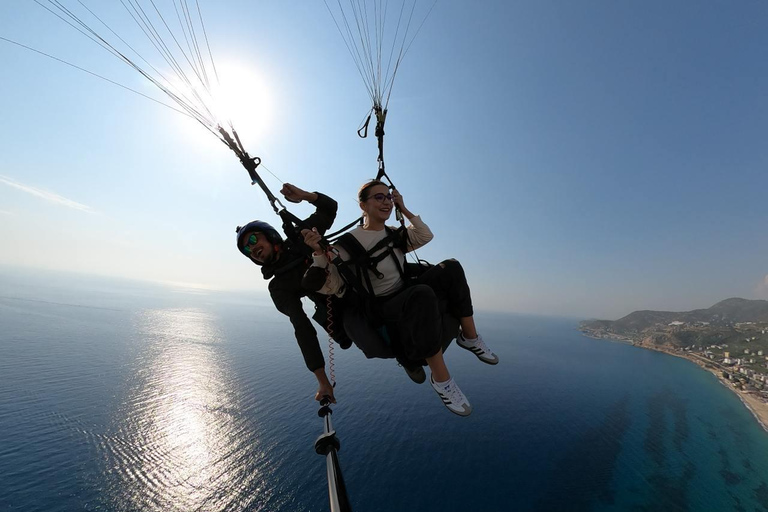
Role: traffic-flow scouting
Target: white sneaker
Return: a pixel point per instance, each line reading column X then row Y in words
column 452, row 397
column 479, row 348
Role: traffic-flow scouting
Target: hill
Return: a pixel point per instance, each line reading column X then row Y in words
column 725, row 313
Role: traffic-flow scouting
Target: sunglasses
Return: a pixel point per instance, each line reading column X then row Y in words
column 381, row 197
column 252, row 240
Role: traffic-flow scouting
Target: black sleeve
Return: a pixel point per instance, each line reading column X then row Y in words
column 289, row 303
column 325, row 213
column 314, row 279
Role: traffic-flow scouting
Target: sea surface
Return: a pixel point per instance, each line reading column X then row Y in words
column 124, row 396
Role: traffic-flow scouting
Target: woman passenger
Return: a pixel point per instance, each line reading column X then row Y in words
column 412, row 311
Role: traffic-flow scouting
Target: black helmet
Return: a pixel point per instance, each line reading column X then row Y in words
column 256, row 226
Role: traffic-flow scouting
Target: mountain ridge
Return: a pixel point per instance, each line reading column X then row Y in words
column 726, row 312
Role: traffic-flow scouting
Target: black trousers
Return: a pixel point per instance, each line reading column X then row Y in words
column 413, row 321
column 416, row 322
column 449, row 283
column 415, row 316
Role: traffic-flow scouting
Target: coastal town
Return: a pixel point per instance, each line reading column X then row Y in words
column 727, row 344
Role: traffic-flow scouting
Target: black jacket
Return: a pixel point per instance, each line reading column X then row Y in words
column 286, row 289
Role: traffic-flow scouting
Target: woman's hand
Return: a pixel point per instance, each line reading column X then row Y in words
column 296, row 195
column 397, row 199
column 400, row 204
column 312, row 239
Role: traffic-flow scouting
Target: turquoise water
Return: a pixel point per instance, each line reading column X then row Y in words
column 123, row 396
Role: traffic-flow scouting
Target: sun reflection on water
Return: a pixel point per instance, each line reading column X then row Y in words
column 182, row 442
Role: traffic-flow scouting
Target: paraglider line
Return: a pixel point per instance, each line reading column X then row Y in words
column 207, row 44
column 167, row 83
column 98, row 76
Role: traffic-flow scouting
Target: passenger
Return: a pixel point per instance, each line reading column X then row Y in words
column 410, row 312
column 284, row 263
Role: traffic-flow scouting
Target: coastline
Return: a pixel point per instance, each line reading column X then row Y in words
column 757, row 407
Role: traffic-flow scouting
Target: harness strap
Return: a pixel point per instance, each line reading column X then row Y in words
column 381, row 118
column 362, row 131
column 364, row 261
column 357, row 255
column 292, row 226
column 345, row 228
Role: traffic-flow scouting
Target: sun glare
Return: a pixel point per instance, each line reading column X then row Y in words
column 244, row 99
column 241, row 97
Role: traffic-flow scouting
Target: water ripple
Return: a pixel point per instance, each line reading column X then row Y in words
column 181, row 440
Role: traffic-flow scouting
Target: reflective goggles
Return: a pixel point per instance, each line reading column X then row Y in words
column 253, row 239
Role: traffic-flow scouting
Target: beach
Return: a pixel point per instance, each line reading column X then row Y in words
column 751, row 400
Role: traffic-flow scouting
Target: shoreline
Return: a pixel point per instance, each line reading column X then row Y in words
column 757, row 407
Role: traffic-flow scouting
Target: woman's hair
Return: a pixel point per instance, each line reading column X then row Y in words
column 362, row 194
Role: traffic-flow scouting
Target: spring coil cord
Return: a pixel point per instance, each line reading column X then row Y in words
column 329, row 325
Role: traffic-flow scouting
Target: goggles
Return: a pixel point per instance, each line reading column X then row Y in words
column 253, row 239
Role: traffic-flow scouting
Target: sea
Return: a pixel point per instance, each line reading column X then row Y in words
column 119, row 395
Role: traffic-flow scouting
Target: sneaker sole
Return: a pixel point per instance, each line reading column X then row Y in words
column 463, row 414
column 486, row 361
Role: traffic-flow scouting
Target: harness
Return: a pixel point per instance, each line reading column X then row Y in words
column 356, row 271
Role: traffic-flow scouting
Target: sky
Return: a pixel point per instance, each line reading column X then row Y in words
column 582, row 159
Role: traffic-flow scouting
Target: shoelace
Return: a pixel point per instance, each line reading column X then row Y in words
column 480, row 343
column 482, row 346
column 454, row 394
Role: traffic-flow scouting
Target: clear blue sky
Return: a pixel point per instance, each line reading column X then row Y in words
column 580, row 158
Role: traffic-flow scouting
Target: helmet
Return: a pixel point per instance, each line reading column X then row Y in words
column 256, row 226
